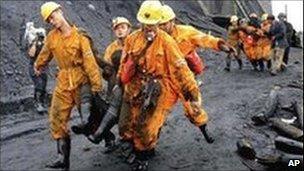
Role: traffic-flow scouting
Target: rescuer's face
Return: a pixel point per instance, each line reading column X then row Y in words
column 150, row 31
column 122, row 30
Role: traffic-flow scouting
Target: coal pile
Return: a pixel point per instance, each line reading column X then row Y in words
column 94, row 16
column 282, row 115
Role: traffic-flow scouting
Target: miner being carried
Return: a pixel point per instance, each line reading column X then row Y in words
column 103, row 116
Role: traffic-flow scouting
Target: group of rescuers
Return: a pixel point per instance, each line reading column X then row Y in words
column 261, row 40
column 151, row 69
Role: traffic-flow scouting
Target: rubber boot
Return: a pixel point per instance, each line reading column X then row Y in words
column 84, row 111
column 206, row 134
column 103, row 130
column 63, row 158
column 39, row 100
column 228, row 63
column 110, row 118
column 240, row 63
column 141, row 161
column 261, row 65
column 255, row 65
column 269, row 64
column 82, row 128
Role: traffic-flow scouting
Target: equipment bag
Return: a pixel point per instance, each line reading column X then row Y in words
column 195, row 63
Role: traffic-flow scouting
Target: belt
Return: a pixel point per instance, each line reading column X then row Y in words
column 69, row 70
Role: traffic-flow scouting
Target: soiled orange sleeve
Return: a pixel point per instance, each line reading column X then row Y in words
column 45, row 55
column 180, row 70
column 90, row 65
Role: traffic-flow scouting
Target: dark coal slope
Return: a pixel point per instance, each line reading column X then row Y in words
column 94, row 16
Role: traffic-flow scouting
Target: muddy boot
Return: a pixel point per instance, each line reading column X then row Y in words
column 39, row 102
column 239, row 61
column 261, row 65
column 151, row 153
column 84, row 111
column 141, row 161
column 254, row 65
column 63, row 158
column 82, row 128
column 103, row 130
column 228, row 63
column 110, row 118
column 269, row 64
column 206, row 134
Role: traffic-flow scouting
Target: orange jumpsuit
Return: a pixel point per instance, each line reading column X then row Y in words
column 260, row 48
column 188, row 39
column 264, row 42
column 114, row 46
column 77, row 66
column 250, row 47
column 233, row 36
column 163, row 59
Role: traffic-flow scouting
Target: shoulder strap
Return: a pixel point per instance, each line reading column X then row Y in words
column 101, row 63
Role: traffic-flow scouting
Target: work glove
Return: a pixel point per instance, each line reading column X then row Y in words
column 206, row 134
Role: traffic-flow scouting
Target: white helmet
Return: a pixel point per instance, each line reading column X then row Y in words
column 234, row 18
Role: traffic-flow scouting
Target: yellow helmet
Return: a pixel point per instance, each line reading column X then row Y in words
column 119, row 20
column 167, row 14
column 264, row 17
column 149, row 12
column 234, row 18
column 47, row 9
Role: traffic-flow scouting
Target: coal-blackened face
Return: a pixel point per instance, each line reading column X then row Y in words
column 150, row 31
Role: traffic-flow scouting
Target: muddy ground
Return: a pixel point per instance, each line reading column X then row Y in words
column 230, row 98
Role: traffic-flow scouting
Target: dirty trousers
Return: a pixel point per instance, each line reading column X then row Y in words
column 144, row 130
column 60, row 111
column 40, row 81
column 277, row 55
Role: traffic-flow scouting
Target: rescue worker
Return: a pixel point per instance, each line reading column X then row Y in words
column 40, row 81
column 249, row 38
column 151, row 58
column 233, row 40
column 265, row 42
column 77, row 66
column 289, row 33
column 277, row 32
column 121, row 28
column 188, row 39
